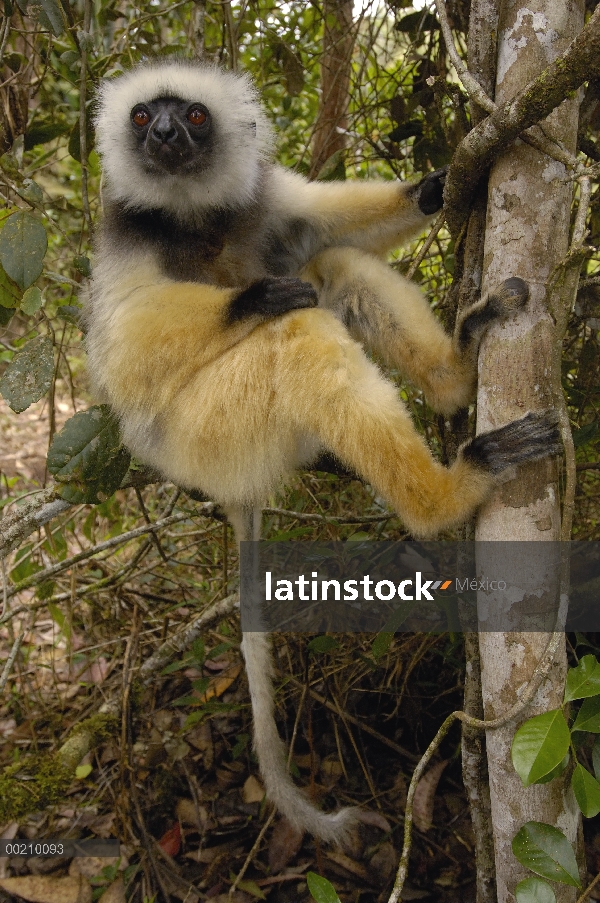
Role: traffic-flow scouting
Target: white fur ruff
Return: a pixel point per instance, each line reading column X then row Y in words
column 241, row 133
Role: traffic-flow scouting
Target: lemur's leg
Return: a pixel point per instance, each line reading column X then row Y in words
column 390, row 315
column 335, row 393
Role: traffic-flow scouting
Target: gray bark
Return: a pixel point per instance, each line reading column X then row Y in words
column 527, row 234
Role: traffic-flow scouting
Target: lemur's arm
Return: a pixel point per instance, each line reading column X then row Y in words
column 374, row 215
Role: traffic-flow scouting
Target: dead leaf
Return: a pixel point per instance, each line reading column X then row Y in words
column 375, row 819
column 90, row 866
column 349, row 865
column 188, row 814
column 253, row 791
column 48, row 889
column 284, row 845
column 219, row 685
column 383, row 864
column 425, row 796
column 229, row 774
column 220, row 663
column 101, row 826
column 115, row 893
column 201, row 737
column 170, row 842
column 331, row 769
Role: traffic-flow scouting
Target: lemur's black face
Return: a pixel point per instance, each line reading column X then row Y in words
column 172, row 135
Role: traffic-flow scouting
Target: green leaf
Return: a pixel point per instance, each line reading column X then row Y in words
column 333, row 169
column 587, row 791
column 5, row 315
column 24, row 566
column 198, row 652
column 556, row 772
column 44, row 132
column 23, row 245
column 547, row 852
column 31, row 192
column 82, row 771
column 70, row 313
column 584, row 680
column 381, row 644
column 252, row 888
column 82, row 265
column 321, row 889
column 540, row 745
column 87, row 457
column 53, row 14
column 585, row 434
column 29, row 375
column 322, row 644
column 588, row 716
column 534, row 890
column 31, row 300
column 10, row 294
column 75, row 140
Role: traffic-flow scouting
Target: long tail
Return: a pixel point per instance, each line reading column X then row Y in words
column 279, row 786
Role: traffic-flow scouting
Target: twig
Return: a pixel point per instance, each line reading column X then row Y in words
column 205, row 509
column 589, row 889
column 324, row 519
column 10, row 661
column 437, row 225
column 577, row 240
column 85, row 199
column 185, row 637
column 539, row 674
column 471, row 85
column 359, row 724
column 252, row 853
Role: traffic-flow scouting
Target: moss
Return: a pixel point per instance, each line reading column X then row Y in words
column 31, row 786
column 42, row 781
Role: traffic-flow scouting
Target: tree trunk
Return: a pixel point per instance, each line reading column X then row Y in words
column 338, row 43
column 527, row 235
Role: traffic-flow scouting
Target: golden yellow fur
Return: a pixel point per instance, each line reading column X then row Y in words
column 220, row 382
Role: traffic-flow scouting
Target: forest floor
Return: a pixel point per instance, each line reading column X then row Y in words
column 174, row 779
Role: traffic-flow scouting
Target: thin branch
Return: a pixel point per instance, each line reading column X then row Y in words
column 486, row 141
column 540, row 673
column 437, row 225
column 574, row 259
column 10, row 661
column 471, row 85
column 36, row 512
column 85, row 199
column 184, row 638
column 324, row 519
column 206, row 509
column 589, row 889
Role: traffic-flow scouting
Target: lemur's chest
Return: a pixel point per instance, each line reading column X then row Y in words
column 229, row 248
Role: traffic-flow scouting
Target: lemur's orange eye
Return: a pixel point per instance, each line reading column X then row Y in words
column 196, row 116
column 141, row 118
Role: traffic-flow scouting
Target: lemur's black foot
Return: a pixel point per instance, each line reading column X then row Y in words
column 510, row 297
column 532, row 437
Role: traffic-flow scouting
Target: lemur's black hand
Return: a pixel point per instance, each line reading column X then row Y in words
column 271, row 297
column 430, row 191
